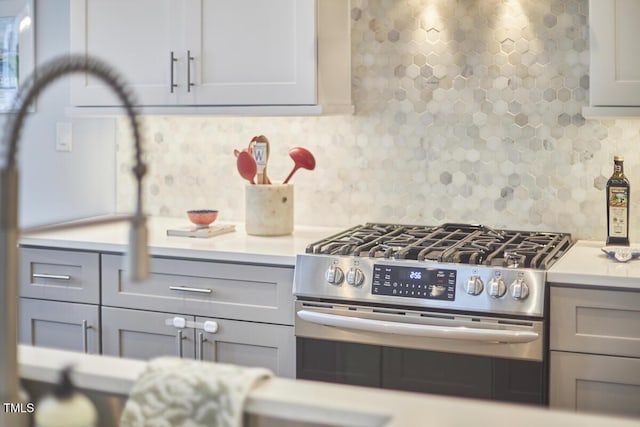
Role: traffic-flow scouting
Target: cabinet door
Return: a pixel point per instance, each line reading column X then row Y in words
column 136, row 38
column 62, row 325
column 586, row 382
column 144, row 335
column 249, row 344
column 615, row 63
column 252, row 52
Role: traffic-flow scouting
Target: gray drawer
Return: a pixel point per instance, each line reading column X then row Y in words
column 203, row 288
column 62, row 275
column 595, row 321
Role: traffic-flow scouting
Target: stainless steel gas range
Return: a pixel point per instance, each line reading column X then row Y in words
column 455, row 309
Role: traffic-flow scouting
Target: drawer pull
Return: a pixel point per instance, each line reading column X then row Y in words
column 51, row 276
column 188, row 289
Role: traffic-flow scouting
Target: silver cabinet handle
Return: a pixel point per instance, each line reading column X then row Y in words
column 51, row 276
column 189, row 289
column 211, row 327
column 189, row 59
column 85, row 327
column 179, row 343
column 200, row 349
column 172, row 60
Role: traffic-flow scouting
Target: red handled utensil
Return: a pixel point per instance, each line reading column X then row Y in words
column 246, row 166
column 302, row 158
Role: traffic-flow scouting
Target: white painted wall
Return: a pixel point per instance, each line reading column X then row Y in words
column 58, row 186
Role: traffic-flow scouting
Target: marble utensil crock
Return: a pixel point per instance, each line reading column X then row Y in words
column 269, row 209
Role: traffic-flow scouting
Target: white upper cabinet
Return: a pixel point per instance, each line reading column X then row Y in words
column 136, row 38
column 217, row 56
column 615, row 58
column 251, row 52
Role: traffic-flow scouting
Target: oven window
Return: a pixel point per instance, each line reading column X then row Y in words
column 422, row 371
column 338, row 362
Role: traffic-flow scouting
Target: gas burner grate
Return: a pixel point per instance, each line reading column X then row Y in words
column 451, row 243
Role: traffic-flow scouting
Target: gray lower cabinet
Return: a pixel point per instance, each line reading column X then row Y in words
column 144, row 335
column 61, row 325
column 59, row 299
column 594, row 383
column 595, row 350
column 138, row 334
column 226, row 312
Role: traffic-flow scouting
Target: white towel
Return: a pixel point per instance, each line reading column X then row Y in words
column 174, row 392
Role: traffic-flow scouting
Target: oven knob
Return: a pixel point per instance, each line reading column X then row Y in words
column 355, row 276
column 474, row 285
column 497, row 288
column 519, row 289
column 334, row 275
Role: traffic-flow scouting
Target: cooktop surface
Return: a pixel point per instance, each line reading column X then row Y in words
column 448, row 243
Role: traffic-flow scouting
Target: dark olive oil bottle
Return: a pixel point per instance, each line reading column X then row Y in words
column 618, row 205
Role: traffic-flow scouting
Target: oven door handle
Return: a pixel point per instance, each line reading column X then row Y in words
column 432, row 331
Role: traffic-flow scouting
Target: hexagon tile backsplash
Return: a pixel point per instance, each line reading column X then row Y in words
column 466, row 111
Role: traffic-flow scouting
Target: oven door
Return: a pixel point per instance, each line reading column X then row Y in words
column 458, row 355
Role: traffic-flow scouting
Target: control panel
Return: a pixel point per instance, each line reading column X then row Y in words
column 414, row 282
column 472, row 288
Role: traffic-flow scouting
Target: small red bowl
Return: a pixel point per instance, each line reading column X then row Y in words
column 202, row 217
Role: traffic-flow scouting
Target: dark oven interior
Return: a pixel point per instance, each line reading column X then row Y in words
column 461, row 375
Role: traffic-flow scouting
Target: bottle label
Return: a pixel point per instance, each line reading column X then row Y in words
column 618, row 205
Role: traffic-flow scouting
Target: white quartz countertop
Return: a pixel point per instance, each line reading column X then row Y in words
column 585, row 264
column 235, row 246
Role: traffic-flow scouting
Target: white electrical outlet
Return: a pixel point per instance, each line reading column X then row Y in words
column 64, row 136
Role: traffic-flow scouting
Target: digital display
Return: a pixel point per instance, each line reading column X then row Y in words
column 425, row 283
column 415, row 274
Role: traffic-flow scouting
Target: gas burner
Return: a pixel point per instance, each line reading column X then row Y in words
column 448, row 243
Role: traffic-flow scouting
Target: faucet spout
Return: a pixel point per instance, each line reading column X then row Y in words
column 9, row 232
